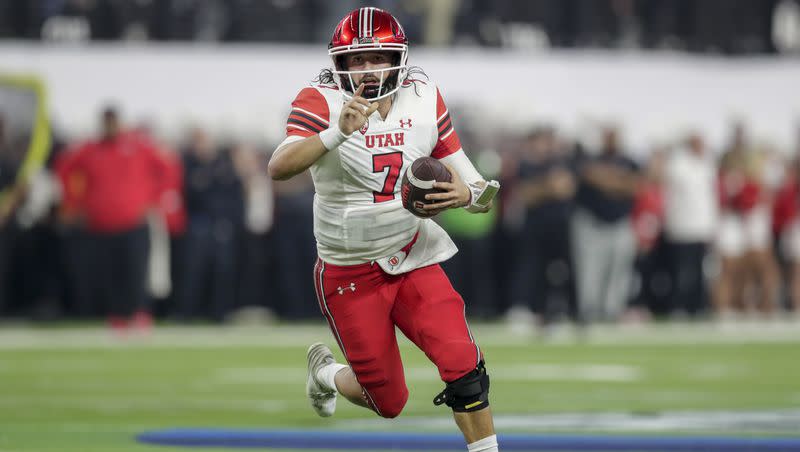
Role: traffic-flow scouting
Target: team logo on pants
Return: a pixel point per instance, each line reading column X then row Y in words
column 341, row 289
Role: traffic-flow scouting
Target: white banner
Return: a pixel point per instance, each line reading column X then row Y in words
column 246, row 90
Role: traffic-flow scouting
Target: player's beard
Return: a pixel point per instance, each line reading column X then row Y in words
column 371, row 90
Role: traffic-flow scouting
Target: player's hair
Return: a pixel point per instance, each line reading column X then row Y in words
column 413, row 75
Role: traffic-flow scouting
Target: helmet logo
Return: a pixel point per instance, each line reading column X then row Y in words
column 365, row 40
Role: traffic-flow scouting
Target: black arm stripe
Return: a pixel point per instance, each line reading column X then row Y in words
column 310, row 118
column 445, row 125
column 445, row 130
column 304, row 124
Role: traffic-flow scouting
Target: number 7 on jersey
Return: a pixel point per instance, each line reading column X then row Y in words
column 393, row 161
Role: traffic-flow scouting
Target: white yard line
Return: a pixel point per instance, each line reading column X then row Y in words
column 128, row 403
column 524, row 372
column 494, row 334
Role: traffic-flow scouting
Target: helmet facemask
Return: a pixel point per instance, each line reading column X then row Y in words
column 389, row 79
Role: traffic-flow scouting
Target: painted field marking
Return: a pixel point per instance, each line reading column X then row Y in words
column 741, row 422
column 375, row 441
column 523, row 372
column 487, row 334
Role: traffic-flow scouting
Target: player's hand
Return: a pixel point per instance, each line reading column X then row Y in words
column 455, row 194
column 356, row 112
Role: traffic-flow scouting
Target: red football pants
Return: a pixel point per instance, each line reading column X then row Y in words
column 363, row 305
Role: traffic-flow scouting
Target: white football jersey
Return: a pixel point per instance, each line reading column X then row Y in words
column 358, row 213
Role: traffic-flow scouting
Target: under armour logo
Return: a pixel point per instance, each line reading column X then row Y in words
column 341, row 289
column 405, row 123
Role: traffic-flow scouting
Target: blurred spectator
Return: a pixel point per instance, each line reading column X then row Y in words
column 200, row 20
column 8, row 172
column 97, row 19
column 697, row 25
column 168, row 220
column 507, row 232
column 26, row 256
column 786, row 231
column 648, row 224
column 439, row 22
column 295, row 247
column 648, row 207
column 257, row 282
column 544, row 278
column 602, row 240
column 690, row 220
column 215, row 208
column 167, row 226
column 791, row 238
column 12, row 156
column 110, row 185
column 748, row 273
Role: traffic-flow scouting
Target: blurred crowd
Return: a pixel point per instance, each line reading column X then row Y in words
column 689, row 232
column 720, row 26
column 123, row 227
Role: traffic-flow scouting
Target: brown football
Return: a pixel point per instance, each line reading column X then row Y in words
column 418, row 181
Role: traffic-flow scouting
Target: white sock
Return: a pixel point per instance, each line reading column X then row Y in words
column 326, row 375
column 488, row 444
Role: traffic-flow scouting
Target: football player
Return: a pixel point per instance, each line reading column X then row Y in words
column 357, row 130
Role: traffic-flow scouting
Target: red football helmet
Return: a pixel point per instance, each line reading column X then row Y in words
column 367, row 29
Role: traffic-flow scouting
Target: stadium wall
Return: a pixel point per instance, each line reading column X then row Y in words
column 245, row 90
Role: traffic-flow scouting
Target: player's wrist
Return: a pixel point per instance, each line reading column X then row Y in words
column 482, row 195
column 333, row 137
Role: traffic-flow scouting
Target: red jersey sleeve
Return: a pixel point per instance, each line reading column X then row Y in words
column 447, row 141
column 310, row 114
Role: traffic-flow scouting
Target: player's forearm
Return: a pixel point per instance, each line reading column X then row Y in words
column 461, row 163
column 294, row 158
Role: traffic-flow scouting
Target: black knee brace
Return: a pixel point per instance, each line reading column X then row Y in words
column 468, row 393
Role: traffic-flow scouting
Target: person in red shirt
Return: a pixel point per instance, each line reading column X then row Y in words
column 110, row 185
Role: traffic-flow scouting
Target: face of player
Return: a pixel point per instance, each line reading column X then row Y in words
column 370, row 61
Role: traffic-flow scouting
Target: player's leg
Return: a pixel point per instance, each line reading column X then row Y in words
column 357, row 302
column 478, row 429
column 431, row 313
column 347, row 384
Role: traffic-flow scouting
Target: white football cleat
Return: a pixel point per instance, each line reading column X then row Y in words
column 322, row 398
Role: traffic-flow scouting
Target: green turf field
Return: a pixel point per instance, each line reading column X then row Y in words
column 79, row 389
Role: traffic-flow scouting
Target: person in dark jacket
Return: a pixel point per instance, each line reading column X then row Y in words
column 214, row 198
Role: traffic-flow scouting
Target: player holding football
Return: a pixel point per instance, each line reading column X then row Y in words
column 358, row 130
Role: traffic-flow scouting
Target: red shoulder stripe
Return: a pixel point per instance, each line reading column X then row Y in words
column 310, row 114
column 448, row 141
